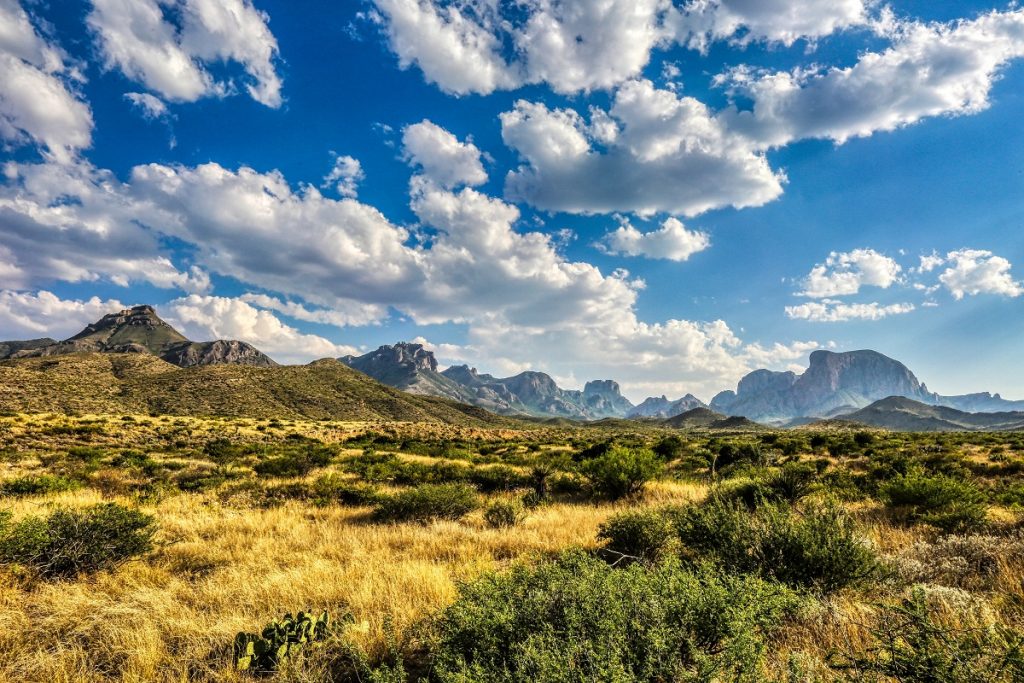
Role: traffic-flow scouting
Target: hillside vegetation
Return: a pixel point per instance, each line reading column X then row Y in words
column 141, row 383
column 137, row 548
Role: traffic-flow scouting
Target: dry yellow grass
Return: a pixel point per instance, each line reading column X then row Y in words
column 220, row 570
column 222, row 566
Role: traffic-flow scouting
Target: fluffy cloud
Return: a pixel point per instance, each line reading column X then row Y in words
column 975, row 271
column 73, row 222
column 570, row 44
column 845, row 273
column 441, row 156
column 217, row 317
column 671, row 241
column 136, row 38
column 44, row 314
column 36, row 99
column 929, row 70
column 479, row 46
column 831, row 311
column 699, row 22
column 345, row 176
column 661, row 153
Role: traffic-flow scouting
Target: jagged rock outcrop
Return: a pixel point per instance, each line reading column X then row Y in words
column 140, row 330
column 10, row 348
column 409, row 367
column 662, row 407
column 412, row 368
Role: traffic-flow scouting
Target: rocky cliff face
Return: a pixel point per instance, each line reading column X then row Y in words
column 604, row 397
column 11, row 348
column 140, row 330
column 217, row 352
column 834, row 382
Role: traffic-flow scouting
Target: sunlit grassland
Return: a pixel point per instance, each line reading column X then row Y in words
column 227, row 559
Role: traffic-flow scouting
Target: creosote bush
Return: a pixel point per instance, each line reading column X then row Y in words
column 818, row 548
column 620, row 471
column 946, row 502
column 71, row 542
column 579, row 619
column 427, row 502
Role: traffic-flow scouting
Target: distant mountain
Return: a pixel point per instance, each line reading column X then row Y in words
column 117, row 383
column 705, row 418
column 662, row 407
column 835, row 384
column 903, row 414
column 412, row 368
column 140, row 330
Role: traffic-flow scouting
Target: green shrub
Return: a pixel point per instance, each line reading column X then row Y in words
column 819, row 548
column 294, row 464
column 334, row 489
column 497, row 478
column 578, row 619
column 669, row 448
column 949, row 503
column 37, row 485
column 620, row 471
column 502, row 514
column 644, row 534
column 427, row 502
column 71, row 542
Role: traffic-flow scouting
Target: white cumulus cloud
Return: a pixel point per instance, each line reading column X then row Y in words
column 44, row 314
column 218, row 317
column 976, row 271
column 662, row 153
column 136, row 37
column 846, row 272
column 672, row 241
column 37, row 98
column 441, row 156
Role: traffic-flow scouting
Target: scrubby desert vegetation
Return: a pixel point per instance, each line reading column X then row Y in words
column 137, row 548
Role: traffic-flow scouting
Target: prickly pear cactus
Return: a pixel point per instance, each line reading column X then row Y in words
column 280, row 641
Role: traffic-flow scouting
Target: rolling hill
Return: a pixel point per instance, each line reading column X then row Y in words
column 142, row 383
column 903, row 414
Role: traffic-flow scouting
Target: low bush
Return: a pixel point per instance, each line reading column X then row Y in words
column 427, row 502
column 948, row 503
column 297, row 463
column 643, row 534
column 38, row 485
column 502, row 514
column 70, row 542
column 818, row 549
column 620, row 471
column 578, row 619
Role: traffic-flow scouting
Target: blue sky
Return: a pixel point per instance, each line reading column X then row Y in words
column 669, row 195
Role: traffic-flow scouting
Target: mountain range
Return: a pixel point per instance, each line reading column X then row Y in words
column 413, row 368
column 134, row 361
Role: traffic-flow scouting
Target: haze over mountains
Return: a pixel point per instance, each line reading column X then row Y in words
column 834, row 384
column 132, row 360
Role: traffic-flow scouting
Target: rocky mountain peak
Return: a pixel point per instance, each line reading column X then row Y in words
column 602, row 387
column 140, row 330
